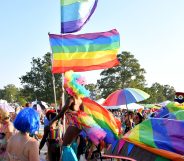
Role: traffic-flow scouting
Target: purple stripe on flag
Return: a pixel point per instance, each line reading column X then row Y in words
column 74, row 26
column 168, row 134
column 87, row 35
column 175, row 132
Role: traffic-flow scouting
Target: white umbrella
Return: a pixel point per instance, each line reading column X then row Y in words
column 7, row 107
column 100, row 101
column 39, row 105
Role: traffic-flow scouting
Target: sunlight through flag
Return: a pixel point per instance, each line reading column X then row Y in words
column 75, row 13
column 84, row 52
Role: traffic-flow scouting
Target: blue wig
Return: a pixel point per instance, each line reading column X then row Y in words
column 27, row 120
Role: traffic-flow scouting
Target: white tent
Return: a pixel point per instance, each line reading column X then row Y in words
column 39, row 103
column 131, row 106
column 164, row 103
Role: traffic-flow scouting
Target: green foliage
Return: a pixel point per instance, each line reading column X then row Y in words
column 38, row 83
column 160, row 93
column 10, row 93
column 94, row 91
column 127, row 74
column 21, row 101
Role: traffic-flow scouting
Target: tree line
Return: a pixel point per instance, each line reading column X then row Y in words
column 37, row 84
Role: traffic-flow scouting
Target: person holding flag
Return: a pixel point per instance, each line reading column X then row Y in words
column 78, row 120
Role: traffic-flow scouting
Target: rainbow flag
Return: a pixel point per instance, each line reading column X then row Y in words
column 104, row 119
column 75, row 13
column 160, row 136
column 84, row 52
column 171, row 109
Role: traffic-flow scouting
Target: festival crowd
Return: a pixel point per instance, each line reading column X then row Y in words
column 21, row 139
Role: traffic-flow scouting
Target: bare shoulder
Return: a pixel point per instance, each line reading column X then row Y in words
column 32, row 146
column 10, row 127
column 33, row 142
column 33, row 153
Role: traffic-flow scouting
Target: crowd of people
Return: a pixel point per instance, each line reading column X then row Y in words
column 19, row 137
column 83, row 139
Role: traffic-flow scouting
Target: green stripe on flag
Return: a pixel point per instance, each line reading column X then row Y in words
column 89, row 48
column 146, row 133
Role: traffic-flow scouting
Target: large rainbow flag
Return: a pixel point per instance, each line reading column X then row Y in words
column 75, row 13
column 104, row 119
column 162, row 135
column 84, row 52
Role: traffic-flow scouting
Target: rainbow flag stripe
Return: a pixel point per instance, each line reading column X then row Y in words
column 75, row 13
column 84, row 52
column 171, row 110
column 160, row 136
column 104, row 119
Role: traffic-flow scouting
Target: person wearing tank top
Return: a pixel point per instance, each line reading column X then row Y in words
column 22, row 147
column 6, row 131
column 52, row 137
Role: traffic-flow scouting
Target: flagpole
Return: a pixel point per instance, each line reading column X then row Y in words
column 63, row 93
column 53, row 81
column 63, row 102
column 54, row 89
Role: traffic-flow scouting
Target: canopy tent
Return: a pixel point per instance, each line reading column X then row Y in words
column 156, row 106
column 39, row 106
column 131, row 106
column 164, row 103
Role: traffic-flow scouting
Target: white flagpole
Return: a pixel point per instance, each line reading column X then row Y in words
column 53, row 82
column 54, row 89
column 63, row 95
column 63, row 102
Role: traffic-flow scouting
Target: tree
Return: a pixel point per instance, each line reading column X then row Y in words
column 94, row 91
column 11, row 93
column 169, row 92
column 160, row 93
column 127, row 74
column 38, row 83
column 1, row 93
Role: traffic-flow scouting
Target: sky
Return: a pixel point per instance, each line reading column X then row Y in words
column 152, row 30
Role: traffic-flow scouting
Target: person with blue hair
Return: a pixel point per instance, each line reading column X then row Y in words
column 21, row 146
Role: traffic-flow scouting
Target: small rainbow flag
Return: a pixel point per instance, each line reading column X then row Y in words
column 104, row 119
column 75, row 13
column 84, row 52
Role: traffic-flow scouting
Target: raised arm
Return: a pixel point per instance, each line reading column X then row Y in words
column 68, row 103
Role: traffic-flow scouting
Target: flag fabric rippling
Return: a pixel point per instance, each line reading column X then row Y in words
column 84, row 52
column 104, row 119
column 162, row 135
column 75, row 13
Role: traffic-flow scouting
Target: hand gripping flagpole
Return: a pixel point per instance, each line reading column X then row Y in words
column 62, row 96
